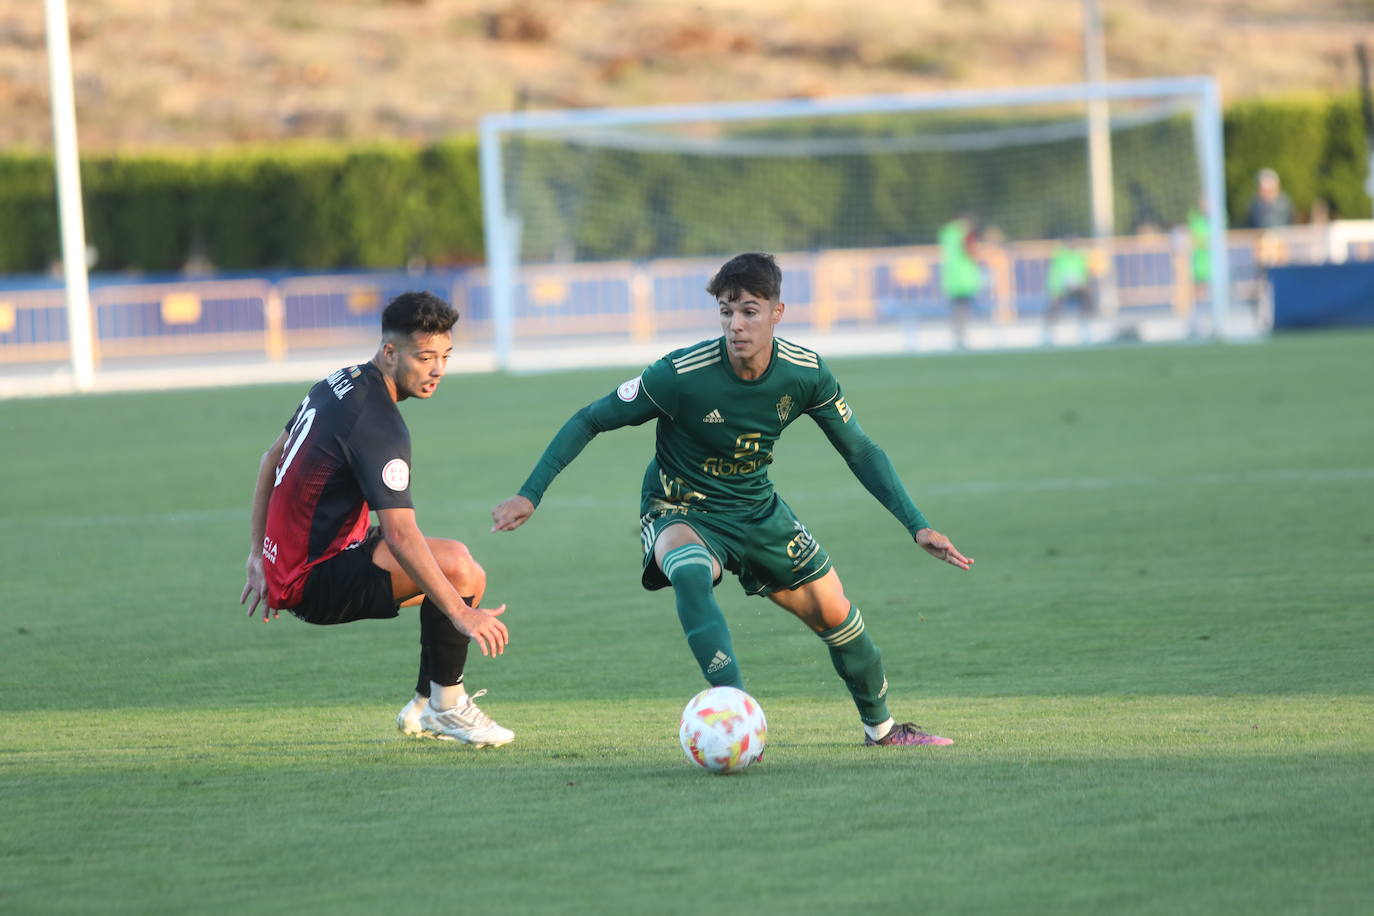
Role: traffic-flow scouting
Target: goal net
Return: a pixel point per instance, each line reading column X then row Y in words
column 602, row 226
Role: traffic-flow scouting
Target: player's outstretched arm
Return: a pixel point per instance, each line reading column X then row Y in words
column 625, row 407
column 941, row 548
column 411, row 550
column 256, row 586
column 511, row 513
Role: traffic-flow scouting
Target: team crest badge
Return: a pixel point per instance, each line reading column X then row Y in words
column 784, row 408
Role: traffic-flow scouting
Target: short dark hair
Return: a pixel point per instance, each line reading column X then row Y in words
column 418, row 313
column 752, row 272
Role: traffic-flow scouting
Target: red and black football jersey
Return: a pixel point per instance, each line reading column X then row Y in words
column 347, row 450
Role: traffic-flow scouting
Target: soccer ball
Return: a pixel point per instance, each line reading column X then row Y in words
column 723, row 730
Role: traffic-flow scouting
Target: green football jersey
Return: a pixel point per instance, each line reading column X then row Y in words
column 716, row 431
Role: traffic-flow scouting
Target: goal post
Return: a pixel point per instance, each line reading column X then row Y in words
column 811, row 177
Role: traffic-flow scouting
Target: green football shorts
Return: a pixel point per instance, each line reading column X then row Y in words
column 771, row 551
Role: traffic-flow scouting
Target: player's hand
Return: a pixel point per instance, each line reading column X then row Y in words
column 511, row 513
column 940, row 547
column 256, row 588
column 482, row 625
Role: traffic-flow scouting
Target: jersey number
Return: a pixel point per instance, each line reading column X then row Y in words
column 304, row 418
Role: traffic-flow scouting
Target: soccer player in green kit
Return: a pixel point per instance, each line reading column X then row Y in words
column 707, row 503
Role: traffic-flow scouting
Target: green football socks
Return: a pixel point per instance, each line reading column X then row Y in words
column 859, row 663
column 688, row 568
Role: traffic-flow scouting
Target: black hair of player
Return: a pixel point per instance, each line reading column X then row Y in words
column 752, row 272
column 418, row 313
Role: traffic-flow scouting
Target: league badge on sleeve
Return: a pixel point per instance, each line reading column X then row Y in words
column 629, row 390
column 396, row 474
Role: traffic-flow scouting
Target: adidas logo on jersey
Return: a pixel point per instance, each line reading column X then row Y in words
column 713, row 417
column 718, row 661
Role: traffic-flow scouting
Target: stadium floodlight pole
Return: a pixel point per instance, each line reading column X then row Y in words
column 1100, row 152
column 69, row 193
column 1099, row 124
column 1366, row 114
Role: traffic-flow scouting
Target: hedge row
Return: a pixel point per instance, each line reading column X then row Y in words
column 298, row 206
column 381, row 205
column 1317, row 145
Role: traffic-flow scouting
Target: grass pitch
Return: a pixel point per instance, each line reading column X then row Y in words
column 1158, row 674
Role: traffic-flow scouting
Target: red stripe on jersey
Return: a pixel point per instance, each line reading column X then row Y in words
column 293, row 521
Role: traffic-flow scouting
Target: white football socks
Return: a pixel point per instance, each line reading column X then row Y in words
column 446, row 697
column 879, row 731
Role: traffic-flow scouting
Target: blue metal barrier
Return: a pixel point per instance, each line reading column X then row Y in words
column 1323, row 295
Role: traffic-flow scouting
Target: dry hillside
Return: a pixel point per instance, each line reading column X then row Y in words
column 209, row 72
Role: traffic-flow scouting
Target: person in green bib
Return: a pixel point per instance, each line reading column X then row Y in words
column 1199, row 234
column 707, row 504
column 961, row 278
column 1068, row 279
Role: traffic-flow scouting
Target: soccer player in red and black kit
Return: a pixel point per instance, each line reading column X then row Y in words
column 346, row 449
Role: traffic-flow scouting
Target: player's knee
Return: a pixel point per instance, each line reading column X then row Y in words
column 832, row 607
column 461, row 568
column 822, row 606
column 832, row 615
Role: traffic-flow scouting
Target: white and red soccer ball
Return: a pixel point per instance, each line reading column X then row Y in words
column 723, row 730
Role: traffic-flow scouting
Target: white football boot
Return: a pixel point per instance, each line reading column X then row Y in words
column 465, row 723
column 408, row 719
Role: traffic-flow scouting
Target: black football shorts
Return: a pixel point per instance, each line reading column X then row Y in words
column 348, row 587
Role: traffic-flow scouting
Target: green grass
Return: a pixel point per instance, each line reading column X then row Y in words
column 1158, row 676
